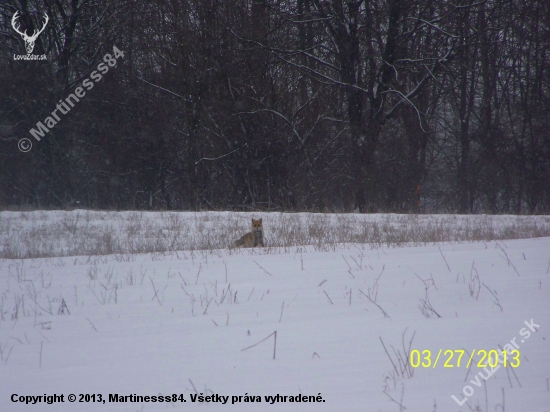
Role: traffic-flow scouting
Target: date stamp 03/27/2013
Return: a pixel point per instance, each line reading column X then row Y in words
column 509, row 356
column 453, row 358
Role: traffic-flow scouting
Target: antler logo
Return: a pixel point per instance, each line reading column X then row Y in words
column 29, row 40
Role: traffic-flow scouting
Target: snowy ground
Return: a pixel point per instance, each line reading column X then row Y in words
column 85, row 232
column 177, row 323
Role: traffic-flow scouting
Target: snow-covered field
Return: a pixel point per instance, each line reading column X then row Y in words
column 334, row 322
column 84, row 232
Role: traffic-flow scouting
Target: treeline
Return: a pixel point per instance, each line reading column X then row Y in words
column 319, row 105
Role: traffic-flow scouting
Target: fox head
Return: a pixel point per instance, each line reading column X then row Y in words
column 256, row 224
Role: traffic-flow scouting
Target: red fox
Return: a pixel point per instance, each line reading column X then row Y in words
column 253, row 238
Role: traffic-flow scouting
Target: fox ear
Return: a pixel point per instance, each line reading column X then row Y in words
column 260, row 220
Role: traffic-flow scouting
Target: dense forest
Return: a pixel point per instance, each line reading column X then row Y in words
column 298, row 105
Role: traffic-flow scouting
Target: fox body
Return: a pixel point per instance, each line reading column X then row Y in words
column 253, row 238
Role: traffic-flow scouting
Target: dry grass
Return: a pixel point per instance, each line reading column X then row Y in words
column 83, row 233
